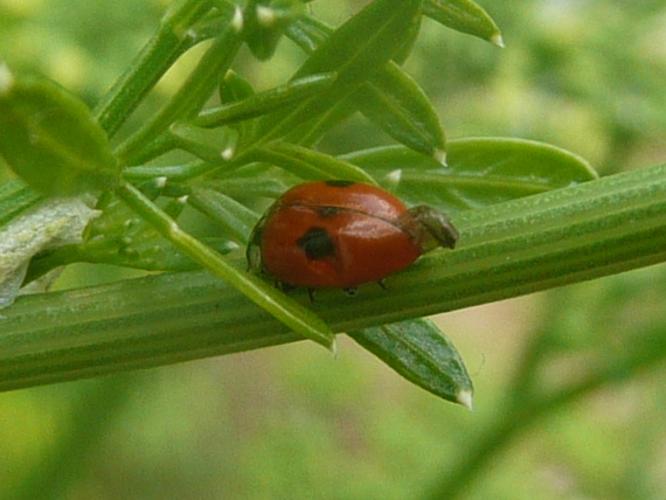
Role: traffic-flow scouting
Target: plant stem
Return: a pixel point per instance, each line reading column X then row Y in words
column 156, row 57
column 190, row 97
column 565, row 236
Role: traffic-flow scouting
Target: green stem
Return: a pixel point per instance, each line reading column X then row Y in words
column 574, row 234
column 156, row 57
column 190, row 97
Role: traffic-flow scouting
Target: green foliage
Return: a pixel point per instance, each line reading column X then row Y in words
column 420, row 353
column 50, row 139
column 200, row 166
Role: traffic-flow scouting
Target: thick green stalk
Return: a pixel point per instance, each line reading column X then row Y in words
column 578, row 233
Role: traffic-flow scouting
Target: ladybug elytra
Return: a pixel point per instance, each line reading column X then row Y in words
column 341, row 234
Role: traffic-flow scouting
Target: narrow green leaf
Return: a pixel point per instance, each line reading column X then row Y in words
column 252, row 187
column 355, row 51
column 313, row 164
column 265, row 102
column 395, row 102
column 265, row 22
column 383, row 160
column 233, row 89
column 172, row 172
column 15, row 197
column 235, row 219
column 480, row 172
column 410, row 41
column 418, row 351
column 50, row 139
column 189, row 99
column 390, row 98
column 212, row 146
column 310, row 132
column 465, row 16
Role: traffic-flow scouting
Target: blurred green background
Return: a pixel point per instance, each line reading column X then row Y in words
column 291, row 422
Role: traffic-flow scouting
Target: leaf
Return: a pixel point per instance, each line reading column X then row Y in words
column 395, row 102
column 390, row 98
column 50, row 139
column 49, row 224
column 385, row 159
column 265, row 22
column 209, row 145
column 15, row 197
column 480, row 172
column 410, row 40
column 465, row 16
column 311, row 164
column 235, row 219
column 252, row 187
column 355, row 50
column 235, row 88
column 418, row 351
column 265, row 102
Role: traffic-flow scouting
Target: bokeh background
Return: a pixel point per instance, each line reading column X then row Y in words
column 291, row 422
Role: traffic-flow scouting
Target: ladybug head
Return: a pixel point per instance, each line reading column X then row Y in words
column 430, row 228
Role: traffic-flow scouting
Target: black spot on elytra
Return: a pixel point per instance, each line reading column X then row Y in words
column 340, row 183
column 327, row 211
column 316, row 243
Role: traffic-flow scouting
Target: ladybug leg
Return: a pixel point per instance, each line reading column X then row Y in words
column 284, row 287
column 382, row 284
column 311, row 295
column 350, row 291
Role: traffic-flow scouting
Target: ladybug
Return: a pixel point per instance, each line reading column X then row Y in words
column 341, row 234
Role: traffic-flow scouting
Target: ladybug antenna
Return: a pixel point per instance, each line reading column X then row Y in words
column 430, row 228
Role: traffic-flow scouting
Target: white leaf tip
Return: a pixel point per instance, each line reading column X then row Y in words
column 265, row 15
column 160, row 182
column 182, row 199
column 227, row 153
column 6, row 79
column 237, row 21
column 394, row 176
column 334, row 348
column 440, row 156
column 465, row 398
column 497, row 40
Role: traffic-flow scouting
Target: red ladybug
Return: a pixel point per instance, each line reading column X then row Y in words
column 342, row 234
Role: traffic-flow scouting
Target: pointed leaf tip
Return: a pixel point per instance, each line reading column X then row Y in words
column 6, row 79
column 497, row 40
column 465, row 398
